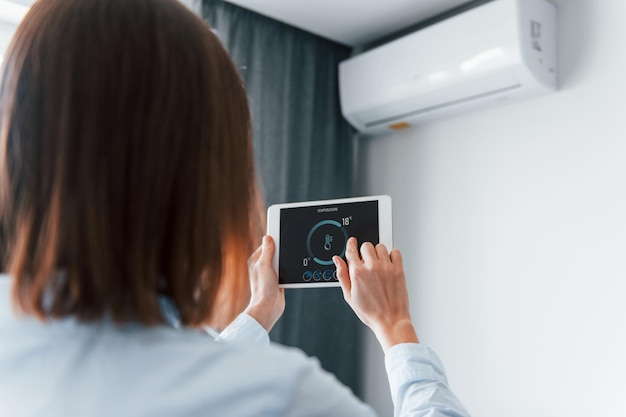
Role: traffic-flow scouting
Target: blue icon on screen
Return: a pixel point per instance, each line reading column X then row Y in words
column 317, row 275
column 328, row 275
column 307, row 275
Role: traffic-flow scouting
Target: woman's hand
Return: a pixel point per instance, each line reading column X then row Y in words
column 267, row 301
column 374, row 286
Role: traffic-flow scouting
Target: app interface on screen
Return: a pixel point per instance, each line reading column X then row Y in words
column 311, row 236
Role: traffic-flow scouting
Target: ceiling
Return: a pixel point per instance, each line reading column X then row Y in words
column 350, row 22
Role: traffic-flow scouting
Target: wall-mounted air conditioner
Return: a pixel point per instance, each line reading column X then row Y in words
column 500, row 51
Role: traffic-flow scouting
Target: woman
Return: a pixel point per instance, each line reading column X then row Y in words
column 129, row 207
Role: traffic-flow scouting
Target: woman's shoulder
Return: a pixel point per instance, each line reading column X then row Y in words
column 136, row 370
column 158, row 368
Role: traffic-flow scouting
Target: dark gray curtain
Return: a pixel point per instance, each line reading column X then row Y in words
column 304, row 151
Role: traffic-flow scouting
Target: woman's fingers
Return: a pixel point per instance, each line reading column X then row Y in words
column 396, row 257
column 267, row 250
column 368, row 253
column 263, row 254
column 382, row 252
column 352, row 253
column 267, row 300
column 343, row 275
column 255, row 256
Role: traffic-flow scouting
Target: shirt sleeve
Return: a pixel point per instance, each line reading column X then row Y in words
column 419, row 387
column 244, row 329
column 417, row 379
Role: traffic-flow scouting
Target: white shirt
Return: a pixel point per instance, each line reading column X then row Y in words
column 64, row 368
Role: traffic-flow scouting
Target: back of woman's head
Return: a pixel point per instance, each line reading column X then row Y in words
column 126, row 169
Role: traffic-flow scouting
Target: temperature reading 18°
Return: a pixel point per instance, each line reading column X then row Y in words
column 345, row 221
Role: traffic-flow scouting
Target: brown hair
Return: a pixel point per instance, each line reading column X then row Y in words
column 126, row 168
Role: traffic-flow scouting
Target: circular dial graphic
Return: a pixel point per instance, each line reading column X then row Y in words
column 325, row 240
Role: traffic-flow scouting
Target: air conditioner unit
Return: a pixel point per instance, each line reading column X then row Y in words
column 501, row 51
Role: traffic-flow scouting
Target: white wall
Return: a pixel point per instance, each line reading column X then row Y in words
column 512, row 222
